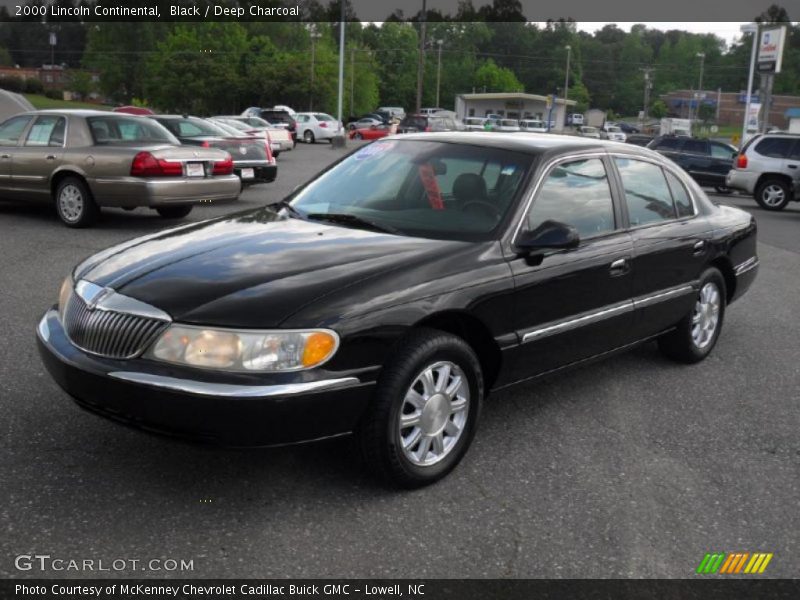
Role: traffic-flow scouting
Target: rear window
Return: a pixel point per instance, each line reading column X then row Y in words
column 775, row 147
column 696, row 146
column 123, row 130
column 667, row 144
column 276, row 116
column 415, row 122
column 323, row 117
column 191, row 128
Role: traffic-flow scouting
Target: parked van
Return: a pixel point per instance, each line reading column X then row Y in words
column 576, row 119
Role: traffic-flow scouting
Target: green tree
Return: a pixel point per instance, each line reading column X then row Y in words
column 80, row 82
column 658, row 110
column 492, row 78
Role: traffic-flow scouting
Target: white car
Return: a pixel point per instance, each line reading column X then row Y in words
column 612, row 132
column 589, row 132
column 534, row 125
column 576, row 119
column 508, row 125
column 280, row 140
column 313, row 126
column 474, row 123
column 366, row 122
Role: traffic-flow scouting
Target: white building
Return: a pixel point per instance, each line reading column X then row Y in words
column 512, row 105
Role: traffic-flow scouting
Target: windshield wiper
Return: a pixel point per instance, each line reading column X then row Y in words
column 292, row 210
column 348, row 219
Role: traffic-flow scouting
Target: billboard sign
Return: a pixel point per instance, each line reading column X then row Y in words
column 770, row 50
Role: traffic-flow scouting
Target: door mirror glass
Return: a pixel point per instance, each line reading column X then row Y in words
column 550, row 234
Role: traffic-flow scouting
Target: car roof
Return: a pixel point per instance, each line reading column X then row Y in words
column 531, row 143
column 82, row 112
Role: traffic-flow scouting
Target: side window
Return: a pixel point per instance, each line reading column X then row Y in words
column 576, row 193
column 646, row 193
column 775, row 147
column 795, row 153
column 11, row 130
column 696, row 146
column 683, row 203
column 668, row 143
column 721, row 151
column 46, row 131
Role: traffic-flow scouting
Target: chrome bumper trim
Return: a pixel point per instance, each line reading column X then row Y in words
column 228, row 390
column 748, row 265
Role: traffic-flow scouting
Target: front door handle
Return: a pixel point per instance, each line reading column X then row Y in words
column 792, row 166
column 50, row 157
column 699, row 247
column 5, row 156
column 619, row 267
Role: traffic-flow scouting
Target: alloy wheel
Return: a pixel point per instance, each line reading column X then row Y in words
column 705, row 318
column 434, row 413
column 71, row 203
column 773, row 195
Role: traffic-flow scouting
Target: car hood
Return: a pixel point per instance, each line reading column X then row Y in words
column 255, row 268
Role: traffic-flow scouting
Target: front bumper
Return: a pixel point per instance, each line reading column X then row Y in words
column 228, row 409
column 131, row 192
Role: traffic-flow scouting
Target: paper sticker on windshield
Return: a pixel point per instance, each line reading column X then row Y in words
column 509, row 170
column 375, row 149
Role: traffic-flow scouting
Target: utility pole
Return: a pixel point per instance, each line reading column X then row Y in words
column 421, row 58
column 749, row 28
column 439, row 71
column 352, row 79
column 702, row 57
column 648, row 85
column 341, row 66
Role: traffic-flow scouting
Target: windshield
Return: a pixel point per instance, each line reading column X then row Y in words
column 124, row 130
column 421, row 188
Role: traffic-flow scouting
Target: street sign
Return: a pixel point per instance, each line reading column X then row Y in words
column 53, row 38
column 770, row 50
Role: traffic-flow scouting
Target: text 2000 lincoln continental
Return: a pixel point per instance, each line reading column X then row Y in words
column 390, row 294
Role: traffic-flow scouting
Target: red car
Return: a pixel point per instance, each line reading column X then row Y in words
column 134, row 110
column 371, row 133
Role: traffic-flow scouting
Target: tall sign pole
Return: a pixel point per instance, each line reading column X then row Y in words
column 341, row 66
column 749, row 28
column 421, row 58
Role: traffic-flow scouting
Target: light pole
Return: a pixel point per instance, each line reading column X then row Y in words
column 749, row 28
column 315, row 35
column 702, row 57
column 566, row 76
column 439, row 71
column 352, row 79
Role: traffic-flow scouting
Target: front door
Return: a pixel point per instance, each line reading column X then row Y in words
column 39, row 156
column 10, row 133
column 573, row 304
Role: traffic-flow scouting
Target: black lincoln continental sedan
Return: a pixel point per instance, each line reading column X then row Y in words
column 389, row 295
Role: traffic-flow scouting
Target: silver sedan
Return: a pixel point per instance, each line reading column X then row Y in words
column 83, row 160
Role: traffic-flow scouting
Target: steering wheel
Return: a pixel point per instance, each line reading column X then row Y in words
column 483, row 207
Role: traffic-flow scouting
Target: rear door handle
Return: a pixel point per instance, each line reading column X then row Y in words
column 699, row 247
column 792, row 166
column 5, row 156
column 619, row 267
column 50, row 157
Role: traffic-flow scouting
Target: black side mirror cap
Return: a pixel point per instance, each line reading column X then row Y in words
column 549, row 235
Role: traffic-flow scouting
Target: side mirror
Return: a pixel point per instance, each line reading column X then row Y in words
column 735, row 155
column 548, row 235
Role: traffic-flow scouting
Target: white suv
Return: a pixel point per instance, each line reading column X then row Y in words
column 769, row 168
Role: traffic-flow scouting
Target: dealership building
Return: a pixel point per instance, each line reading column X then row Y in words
column 512, row 105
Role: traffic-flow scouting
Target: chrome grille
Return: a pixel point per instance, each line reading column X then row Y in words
column 109, row 333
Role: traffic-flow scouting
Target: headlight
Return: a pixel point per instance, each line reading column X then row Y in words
column 63, row 296
column 266, row 351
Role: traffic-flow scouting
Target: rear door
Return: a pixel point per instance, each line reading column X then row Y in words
column 573, row 304
column 40, row 154
column 670, row 242
column 697, row 161
column 11, row 132
column 721, row 161
column 793, row 167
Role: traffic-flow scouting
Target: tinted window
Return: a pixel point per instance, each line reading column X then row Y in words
column 12, row 129
column 683, row 203
column 118, row 130
column 668, row 144
column 646, row 193
column 419, row 123
column 775, row 147
column 795, row 153
column 421, row 188
column 696, row 146
column 576, row 193
column 721, row 151
column 47, row 131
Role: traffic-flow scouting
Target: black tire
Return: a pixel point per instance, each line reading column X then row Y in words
column 773, row 194
column 379, row 435
column 681, row 345
column 75, row 205
column 358, row 136
column 276, row 153
column 308, row 136
column 174, row 212
column 721, row 189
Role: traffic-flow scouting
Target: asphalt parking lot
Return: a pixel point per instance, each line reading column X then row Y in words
column 634, row 467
